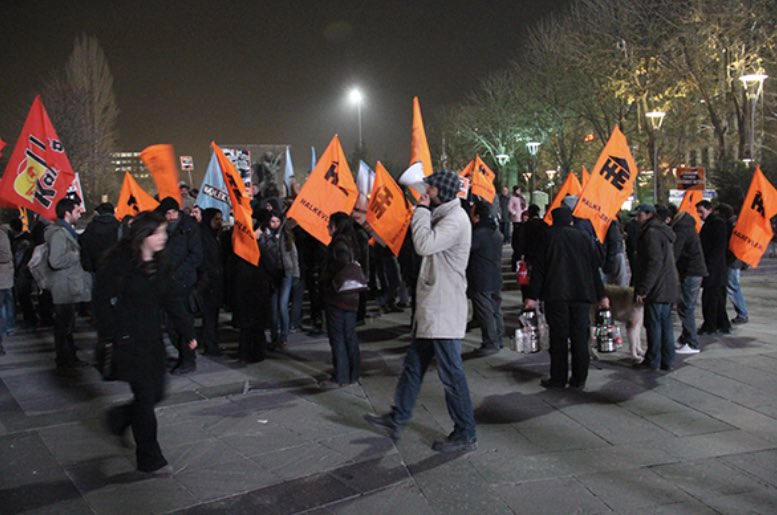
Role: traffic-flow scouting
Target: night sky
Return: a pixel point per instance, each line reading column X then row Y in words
column 186, row 72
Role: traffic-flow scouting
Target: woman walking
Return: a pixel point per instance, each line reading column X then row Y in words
column 133, row 286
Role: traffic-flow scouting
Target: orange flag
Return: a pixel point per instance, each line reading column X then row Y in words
column 585, row 175
column 243, row 239
column 483, row 181
column 133, row 199
column 38, row 173
column 611, row 183
column 467, row 171
column 388, row 213
column 329, row 188
column 690, row 199
column 160, row 161
column 571, row 186
column 753, row 230
column 419, row 146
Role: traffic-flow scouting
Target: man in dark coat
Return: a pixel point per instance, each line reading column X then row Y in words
column 210, row 279
column 100, row 234
column 567, row 279
column 532, row 240
column 505, row 223
column 714, row 243
column 691, row 270
column 656, row 286
column 184, row 254
column 484, row 279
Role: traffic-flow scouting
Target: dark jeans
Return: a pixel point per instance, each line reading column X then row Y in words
column 713, row 308
column 186, row 356
column 297, row 294
column 568, row 324
column 505, row 227
column 341, row 330
column 454, row 382
column 139, row 413
column 64, row 324
column 658, row 325
column 487, row 310
column 23, row 287
column 686, row 309
column 210, row 322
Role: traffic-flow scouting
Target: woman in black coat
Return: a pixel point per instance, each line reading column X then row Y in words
column 133, row 285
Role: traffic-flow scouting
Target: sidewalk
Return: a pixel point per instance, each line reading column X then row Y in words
column 266, row 439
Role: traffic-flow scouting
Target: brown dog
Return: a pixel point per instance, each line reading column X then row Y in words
column 624, row 309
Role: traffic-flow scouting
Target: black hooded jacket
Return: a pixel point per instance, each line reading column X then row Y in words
column 687, row 247
column 656, row 274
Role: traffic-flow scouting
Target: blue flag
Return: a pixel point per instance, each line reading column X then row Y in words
column 288, row 173
column 213, row 192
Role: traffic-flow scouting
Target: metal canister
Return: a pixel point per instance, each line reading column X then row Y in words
column 605, row 337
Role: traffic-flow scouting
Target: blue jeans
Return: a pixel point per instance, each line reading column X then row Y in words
column 658, row 325
column 686, row 309
column 297, row 293
column 454, row 382
column 283, row 307
column 341, row 330
column 735, row 293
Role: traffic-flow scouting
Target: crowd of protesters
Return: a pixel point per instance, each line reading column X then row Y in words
column 161, row 270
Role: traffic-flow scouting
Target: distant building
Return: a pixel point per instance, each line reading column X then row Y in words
column 129, row 162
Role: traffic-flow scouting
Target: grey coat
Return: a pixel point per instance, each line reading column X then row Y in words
column 442, row 238
column 69, row 282
column 6, row 262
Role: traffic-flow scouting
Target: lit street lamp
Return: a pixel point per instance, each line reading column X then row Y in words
column 532, row 147
column 754, row 85
column 656, row 118
column 355, row 97
column 551, row 174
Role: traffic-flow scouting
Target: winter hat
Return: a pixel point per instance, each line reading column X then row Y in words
column 167, row 204
column 447, row 184
column 561, row 216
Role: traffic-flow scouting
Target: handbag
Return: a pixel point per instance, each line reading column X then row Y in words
column 522, row 274
column 350, row 279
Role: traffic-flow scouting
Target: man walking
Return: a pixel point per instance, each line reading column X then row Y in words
column 484, row 279
column 70, row 284
column 656, row 285
column 567, row 279
column 691, row 270
column 442, row 238
column 714, row 243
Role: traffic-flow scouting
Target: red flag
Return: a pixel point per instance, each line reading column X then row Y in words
column 611, row 183
column 38, row 173
column 688, row 205
column 2, row 146
column 388, row 213
column 483, row 181
column 753, row 230
column 160, row 161
column 133, row 199
column 329, row 188
column 571, row 186
column 243, row 238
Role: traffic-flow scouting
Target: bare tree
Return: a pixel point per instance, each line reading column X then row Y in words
column 80, row 100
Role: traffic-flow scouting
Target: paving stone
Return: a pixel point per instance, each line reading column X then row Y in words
column 373, row 474
column 210, row 481
column 633, row 490
column 713, row 445
column 688, row 422
column 564, row 495
column 651, row 403
column 404, row 497
column 140, row 493
column 615, row 424
column 76, row 442
column 707, row 478
column 199, row 454
column 757, row 501
column 302, row 461
column 23, row 455
column 762, row 465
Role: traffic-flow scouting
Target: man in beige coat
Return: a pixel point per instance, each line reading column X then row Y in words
column 442, row 236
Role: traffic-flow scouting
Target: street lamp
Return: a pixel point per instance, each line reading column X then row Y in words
column 532, row 147
column 355, row 97
column 754, row 85
column 551, row 174
column 656, row 118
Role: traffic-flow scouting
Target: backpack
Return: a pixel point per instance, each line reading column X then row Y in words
column 39, row 266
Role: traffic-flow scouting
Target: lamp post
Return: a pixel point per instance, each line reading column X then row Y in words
column 532, row 147
column 355, row 97
column 551, row 174
column 502, row 159
column 754, row 85
column 656, row 118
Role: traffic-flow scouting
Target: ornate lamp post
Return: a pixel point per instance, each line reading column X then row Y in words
column 754, row 85
column 532, row 147
column 551, row 174
column 656, row 118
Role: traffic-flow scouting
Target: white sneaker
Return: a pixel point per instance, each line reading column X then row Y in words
column 687, row 349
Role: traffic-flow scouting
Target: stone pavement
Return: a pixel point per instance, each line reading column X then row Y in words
column 265, row 439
